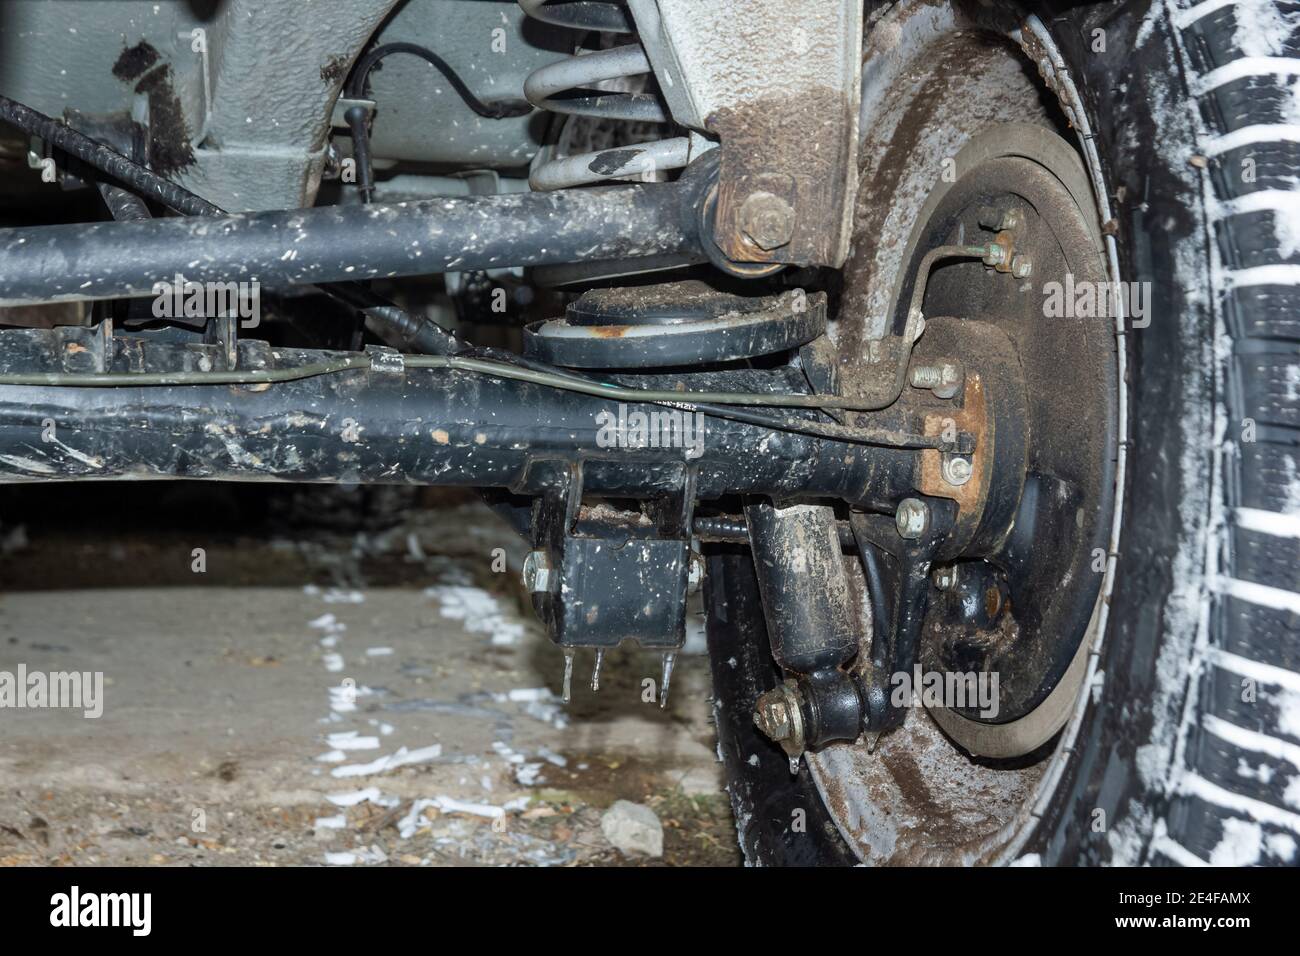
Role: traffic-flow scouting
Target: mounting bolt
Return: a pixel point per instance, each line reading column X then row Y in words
column 956, row 470
column 538, row 574
column 694, row 572
column 944, row 578
column 911, row 518
column 999, row 220
column 944, row 380
column 1022, row 267
column 778, row 717
column 767, row 220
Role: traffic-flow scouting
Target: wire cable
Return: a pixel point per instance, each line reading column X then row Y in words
column 690, row 400
column 358, row 121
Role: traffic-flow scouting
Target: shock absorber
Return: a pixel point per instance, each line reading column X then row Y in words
column 597, row 85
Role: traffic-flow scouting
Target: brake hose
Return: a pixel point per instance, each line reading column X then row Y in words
column 358, row 119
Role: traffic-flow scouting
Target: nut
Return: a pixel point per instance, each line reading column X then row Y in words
column 912, row 518
column 777, row 715
column 767, row 220
column 538, row 576
column 772, row 715
column 1022, row 267
column 956, row 470
column 944, row 578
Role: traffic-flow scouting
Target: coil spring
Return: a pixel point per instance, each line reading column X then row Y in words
column 573, row 87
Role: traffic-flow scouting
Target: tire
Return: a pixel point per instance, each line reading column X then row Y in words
column 1185, row 748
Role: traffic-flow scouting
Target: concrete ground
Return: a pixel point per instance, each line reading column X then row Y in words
column 290, row 681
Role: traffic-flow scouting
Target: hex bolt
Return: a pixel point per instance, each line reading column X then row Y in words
column 772, row 715
column 956, row 470
column 1022, row 267
column 778, row 717
column 538, row 573
column 767, row 220
column 944, row 578
column 998, row 220
column 911, row 518
column 944, row 380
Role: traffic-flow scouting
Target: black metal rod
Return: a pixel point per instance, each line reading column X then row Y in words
column 385, row 423
column 345, row 243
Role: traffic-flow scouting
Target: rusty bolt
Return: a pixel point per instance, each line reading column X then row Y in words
column 772, row 715
column 997, row 220
column 778, row 717
column 994, row 254
column 767, row 220
column 911, row 518
column 538, row 574
column 1022, row 267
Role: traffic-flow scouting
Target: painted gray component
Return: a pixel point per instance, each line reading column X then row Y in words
column 254, row 109
column 275, row 71
column 55, row 56
column 492, row 46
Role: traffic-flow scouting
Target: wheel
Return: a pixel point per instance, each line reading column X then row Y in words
column 1156, row 723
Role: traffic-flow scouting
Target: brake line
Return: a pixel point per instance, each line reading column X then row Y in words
column 358, row 118
column 872, row 436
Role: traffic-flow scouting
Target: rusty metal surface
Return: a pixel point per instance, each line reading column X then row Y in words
column 972, row 417
column 918, row 801
column 777, row 82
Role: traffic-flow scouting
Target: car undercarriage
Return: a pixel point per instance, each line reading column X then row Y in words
column 843, row 314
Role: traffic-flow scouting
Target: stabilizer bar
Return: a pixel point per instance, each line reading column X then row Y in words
column 348, row 242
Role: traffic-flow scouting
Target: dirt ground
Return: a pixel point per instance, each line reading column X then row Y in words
column 291, row 678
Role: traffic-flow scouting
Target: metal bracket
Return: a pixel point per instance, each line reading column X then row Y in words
column 778, row 83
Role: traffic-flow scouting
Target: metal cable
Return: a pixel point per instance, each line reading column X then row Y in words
column 690, row 400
